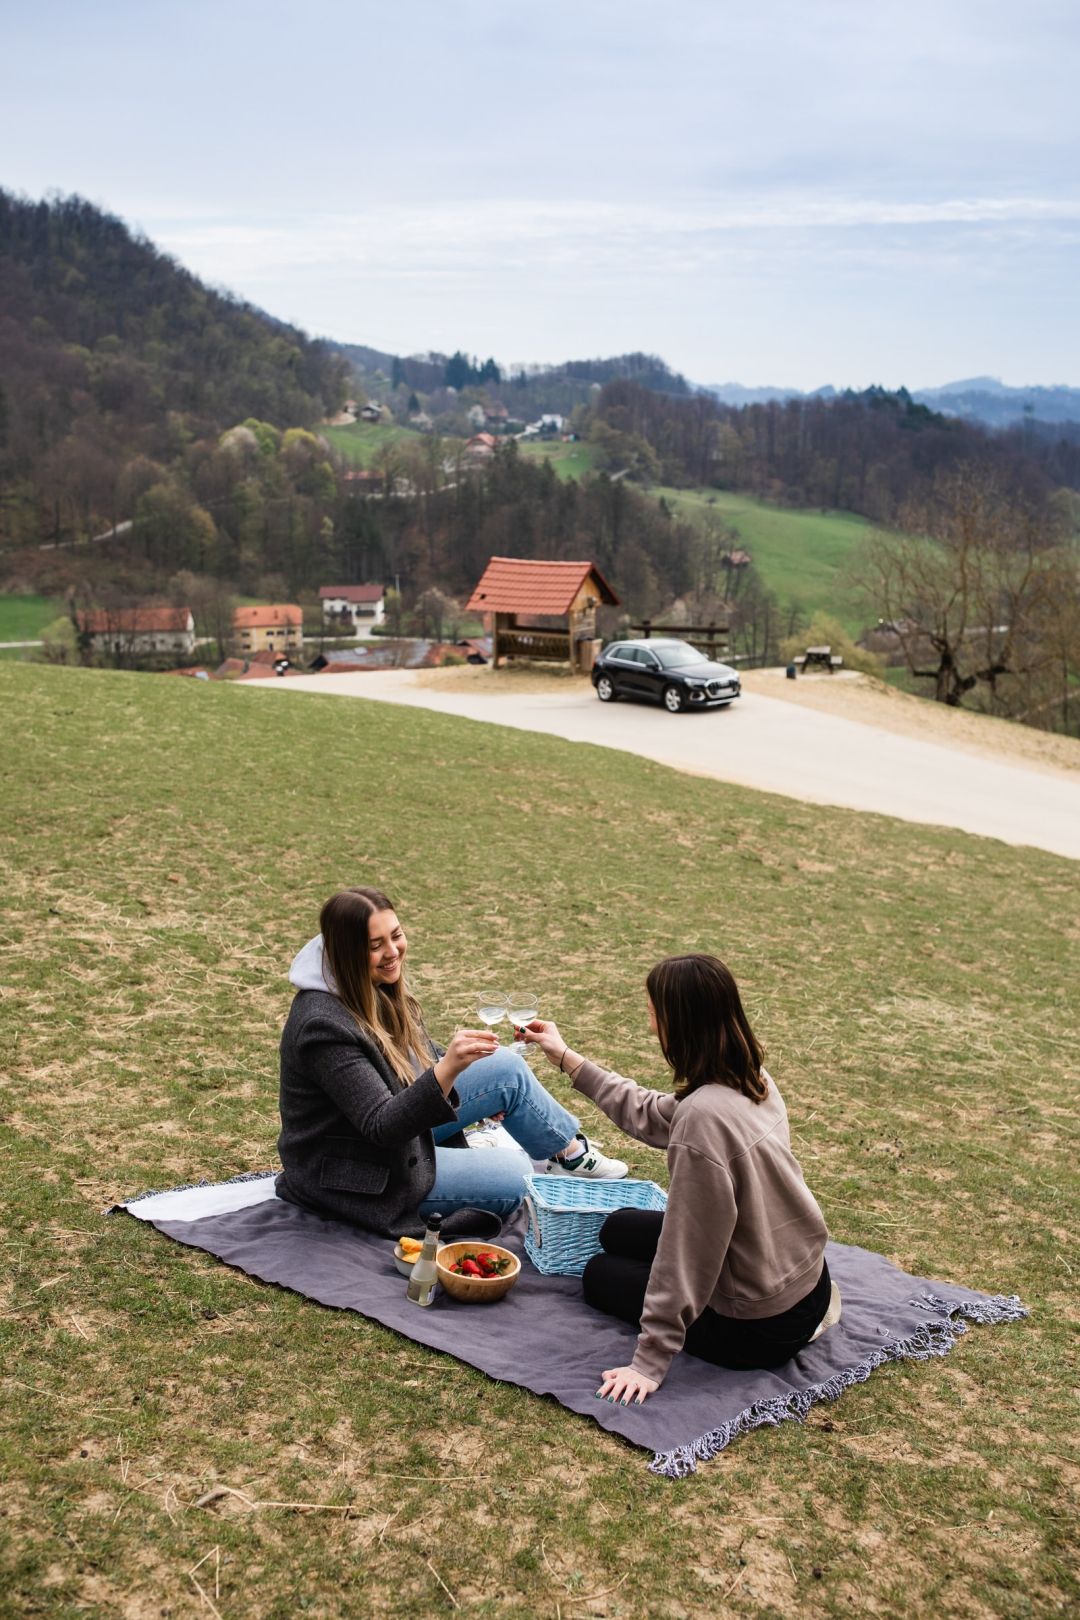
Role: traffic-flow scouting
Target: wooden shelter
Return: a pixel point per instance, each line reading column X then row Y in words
column 513, row 588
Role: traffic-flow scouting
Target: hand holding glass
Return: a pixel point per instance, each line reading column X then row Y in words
column 522, row 1008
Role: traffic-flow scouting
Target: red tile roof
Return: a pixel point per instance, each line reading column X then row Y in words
column 135, row 621
column 353, row 593
column 519, row 585
column 275, row 613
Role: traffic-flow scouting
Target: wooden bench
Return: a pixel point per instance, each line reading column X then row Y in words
column 818, row 658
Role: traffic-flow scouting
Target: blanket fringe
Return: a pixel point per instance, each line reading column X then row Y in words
column 934, row 1338
column 189, row 1186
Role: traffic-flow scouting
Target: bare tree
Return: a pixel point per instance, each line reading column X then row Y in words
column 963, row 588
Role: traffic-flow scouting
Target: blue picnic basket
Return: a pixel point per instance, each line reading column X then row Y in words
column 565, row 1217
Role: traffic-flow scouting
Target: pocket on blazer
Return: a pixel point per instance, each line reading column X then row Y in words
column 354, row 1175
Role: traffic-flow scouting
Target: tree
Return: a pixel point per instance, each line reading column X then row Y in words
column 963, row 591
column 213, row 603
column 437, row 612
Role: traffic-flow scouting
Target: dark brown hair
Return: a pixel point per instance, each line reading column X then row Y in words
column 704, row 1033
column 389, row 1013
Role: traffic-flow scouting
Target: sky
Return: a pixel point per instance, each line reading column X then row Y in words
column 783, row 193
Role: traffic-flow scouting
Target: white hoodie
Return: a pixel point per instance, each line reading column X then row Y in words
column 310, row 970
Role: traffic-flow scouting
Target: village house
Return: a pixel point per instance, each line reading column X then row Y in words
column 278, row 626
column 132, row 630
column 480, row 448
column 353, row 604
column 370, row 412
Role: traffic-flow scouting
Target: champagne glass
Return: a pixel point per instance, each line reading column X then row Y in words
column 521, row 1005
column 491, row 1006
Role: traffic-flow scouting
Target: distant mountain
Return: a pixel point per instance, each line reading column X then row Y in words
column 995, row 404
column 976, row 399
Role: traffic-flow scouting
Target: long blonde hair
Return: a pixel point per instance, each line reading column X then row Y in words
column 389, row 1013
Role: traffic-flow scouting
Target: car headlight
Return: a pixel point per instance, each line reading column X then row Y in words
column 690, row 681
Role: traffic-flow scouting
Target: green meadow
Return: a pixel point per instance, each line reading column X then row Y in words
column 361, row 442
column 801, row 555
column 165, row 848
column 571, row 460
column 23, row 618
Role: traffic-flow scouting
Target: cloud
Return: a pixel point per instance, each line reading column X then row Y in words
column 499, row 236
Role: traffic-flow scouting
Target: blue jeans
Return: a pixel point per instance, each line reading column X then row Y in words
column 493, row 1178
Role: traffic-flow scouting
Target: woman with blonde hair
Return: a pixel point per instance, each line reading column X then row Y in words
column 734, row 1270
column 372, row 1109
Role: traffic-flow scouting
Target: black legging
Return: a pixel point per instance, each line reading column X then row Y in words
column 615, row 1282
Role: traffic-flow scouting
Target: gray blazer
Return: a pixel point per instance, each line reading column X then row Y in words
column 355, row 1142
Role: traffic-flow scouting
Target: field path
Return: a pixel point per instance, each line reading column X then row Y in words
column 764, row 742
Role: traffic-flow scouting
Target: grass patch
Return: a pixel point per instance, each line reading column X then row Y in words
column 916, row 991
column 569, row 460
column 23, row 618
column 361, row 442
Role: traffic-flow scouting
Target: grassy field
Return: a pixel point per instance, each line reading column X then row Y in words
column 800, row 555
column 916, row 991
column 22, row 618
column 569, row 460
column 360, row 442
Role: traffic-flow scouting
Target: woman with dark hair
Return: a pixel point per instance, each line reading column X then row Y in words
column 372, row 1109
column 734, row 1270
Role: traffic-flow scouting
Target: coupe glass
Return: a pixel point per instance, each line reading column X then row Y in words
column 521, row 1005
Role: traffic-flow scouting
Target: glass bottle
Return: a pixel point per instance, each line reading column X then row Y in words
column 423, row 1277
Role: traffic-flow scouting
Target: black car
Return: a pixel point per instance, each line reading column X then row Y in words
column 669, row 672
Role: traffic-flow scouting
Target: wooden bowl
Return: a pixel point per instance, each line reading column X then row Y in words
column 475, row 1290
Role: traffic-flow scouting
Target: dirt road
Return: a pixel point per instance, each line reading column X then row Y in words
column 1017, row 794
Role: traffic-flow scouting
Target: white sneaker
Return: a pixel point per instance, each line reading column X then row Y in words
column 591, row 1165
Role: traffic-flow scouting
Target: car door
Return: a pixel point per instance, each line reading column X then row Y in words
column 650, row 675
column 622, row 666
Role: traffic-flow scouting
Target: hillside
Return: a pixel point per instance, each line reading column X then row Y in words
column 145, row 991
column 112, row 353
column 801, row 556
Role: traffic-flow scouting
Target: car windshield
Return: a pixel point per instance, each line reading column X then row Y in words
column 677, row 654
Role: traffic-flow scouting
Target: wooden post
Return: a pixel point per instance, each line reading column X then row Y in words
column 646, row 625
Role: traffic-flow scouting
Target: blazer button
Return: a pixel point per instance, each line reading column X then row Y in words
column 412, row 1161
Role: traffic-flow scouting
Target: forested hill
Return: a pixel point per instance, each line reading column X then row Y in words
column 525, row 391
column 109, row 349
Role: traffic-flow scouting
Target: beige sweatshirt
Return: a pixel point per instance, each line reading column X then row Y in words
column 742, row 1233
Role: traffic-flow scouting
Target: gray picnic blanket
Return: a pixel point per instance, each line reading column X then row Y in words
column 544, row 1337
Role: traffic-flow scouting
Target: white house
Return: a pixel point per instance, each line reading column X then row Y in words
column 139, row 630
column 354, row 604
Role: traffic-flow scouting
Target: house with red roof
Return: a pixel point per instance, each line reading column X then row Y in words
column 131, row 630
column 278, row 626
column 524, row 601
column 353, row 605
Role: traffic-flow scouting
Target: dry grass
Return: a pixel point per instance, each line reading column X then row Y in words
column 179, row 1440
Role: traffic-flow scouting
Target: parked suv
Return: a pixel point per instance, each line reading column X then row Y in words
column 669, row 672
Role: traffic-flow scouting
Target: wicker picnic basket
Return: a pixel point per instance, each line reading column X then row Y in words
column 565, row 1217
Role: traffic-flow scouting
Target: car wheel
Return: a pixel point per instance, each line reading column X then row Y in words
column 673, row 699
column 605, row 691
